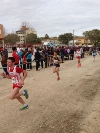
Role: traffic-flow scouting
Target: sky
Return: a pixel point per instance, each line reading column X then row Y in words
column 52, row 17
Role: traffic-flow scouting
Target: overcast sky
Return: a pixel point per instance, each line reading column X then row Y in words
column 52, row 17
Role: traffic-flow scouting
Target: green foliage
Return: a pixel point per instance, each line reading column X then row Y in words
column 93, row 36
column 32, row 39
column 65, row 38
column 0, row 42
column 46, row 36
column 11, row 38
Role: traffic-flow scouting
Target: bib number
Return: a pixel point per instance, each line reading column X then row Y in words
column 14, row 80
column 55, row 61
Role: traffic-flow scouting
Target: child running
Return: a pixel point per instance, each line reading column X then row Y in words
column 17, row 81
column 78, row 52
column 56, row 62
column 94, row 53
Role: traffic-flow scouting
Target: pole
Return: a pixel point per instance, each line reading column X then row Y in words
column 3, row 43
column 73, row 37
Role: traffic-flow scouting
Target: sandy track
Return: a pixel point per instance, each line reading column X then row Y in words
column 68, row 106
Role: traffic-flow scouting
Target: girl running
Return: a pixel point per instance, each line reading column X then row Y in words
column 56, row 62
column 78, row 52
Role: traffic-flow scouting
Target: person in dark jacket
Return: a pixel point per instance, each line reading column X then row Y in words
column 29, row 60
column 71, row 53
column 4, row 62
column 62, row 54
column 42, row 58
column 37, row 59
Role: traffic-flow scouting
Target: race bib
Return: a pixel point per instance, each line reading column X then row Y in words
column 55, row 61
column 14, row 80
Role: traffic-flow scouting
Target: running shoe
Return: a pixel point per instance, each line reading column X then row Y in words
column 26, row 94
column 24, row 107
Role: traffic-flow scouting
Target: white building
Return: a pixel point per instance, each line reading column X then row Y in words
column 22, row 33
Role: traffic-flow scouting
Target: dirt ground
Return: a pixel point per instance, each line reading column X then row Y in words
column 70, row 105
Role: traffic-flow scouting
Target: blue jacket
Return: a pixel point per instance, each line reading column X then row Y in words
column 29, row 56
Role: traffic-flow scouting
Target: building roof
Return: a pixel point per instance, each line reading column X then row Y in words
column 20, row 31
column 80, row 37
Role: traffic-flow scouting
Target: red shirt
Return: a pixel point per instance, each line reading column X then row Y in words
column 15, row 75
column 16, row 56
column 18, row 70
column 24, row 59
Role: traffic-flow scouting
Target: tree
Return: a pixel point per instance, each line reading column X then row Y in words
column 0, row 41
column 26, row 24
column 65, row 38
column 32, row 38
column 5, row 31
column 11, row 38
column 38, row 40
column 46, row 36
column 93, row 36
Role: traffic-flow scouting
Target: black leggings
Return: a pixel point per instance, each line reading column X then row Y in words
column 4, row 66
column 37, row 65
column 29, row 64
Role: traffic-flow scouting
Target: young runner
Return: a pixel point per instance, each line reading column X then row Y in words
column 78, row 52
column 94, row 53
column 17, row 81
column 56, row 61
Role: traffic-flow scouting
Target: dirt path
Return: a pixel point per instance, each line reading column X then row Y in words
column 68, row 106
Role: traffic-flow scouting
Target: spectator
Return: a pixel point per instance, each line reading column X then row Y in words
column 62, row 54
column 20, row 55
column 29, row 60
column 42, row 58
column 37, row 59
column 16, row 56
column 18, row 49
column 71, row 53
column 4, row 62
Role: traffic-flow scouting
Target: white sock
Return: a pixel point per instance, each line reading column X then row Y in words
column 25, row 105
column 23, row 92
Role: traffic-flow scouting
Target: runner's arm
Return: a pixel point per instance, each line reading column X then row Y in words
column 5, row 76
column 60, row 60
column 23, row 78
column 25, row 75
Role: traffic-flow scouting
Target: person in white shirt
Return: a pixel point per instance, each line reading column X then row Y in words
column 34, row 51
column 81, row 49
column 78, row 52
column 18, row 49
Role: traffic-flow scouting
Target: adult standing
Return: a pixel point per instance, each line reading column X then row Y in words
column 71, row 53
column 4, row 62
column 34, row 51
column 29, row 60
column 42, row 58
column 62, row 54
column 18, row 49
column 37, row 59
column 16, row 56
column 20, row 54
column 81, row 49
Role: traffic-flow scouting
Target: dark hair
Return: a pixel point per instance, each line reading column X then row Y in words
column 14, row 48
column 12, row 59
column 24, row 53
column 56, row 51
